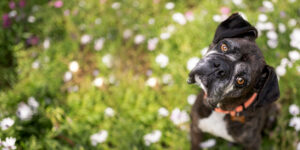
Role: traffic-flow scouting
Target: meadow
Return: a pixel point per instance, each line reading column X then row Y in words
column 106, row 74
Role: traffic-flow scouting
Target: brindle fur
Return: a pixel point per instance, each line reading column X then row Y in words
column 263, row 80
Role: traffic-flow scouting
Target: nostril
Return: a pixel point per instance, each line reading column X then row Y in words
column 216, row 64
column 221, row 73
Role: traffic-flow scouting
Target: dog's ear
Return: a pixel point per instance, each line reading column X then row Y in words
column 267, row 87
column 235, row 26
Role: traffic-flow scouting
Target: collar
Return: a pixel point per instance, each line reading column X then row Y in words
column 239, row 108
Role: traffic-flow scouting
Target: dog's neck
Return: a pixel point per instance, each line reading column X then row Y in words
column 239, row 108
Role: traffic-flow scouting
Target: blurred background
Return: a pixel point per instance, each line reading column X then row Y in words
column 107, row 74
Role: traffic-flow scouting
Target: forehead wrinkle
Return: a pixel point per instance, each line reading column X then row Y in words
column 213, row 51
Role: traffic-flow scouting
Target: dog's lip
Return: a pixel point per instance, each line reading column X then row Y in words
column 190, row 80
column 211, row 104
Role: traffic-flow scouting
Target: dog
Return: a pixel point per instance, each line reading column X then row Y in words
column 238, row 87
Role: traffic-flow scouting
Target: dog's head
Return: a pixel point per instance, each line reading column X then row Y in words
column 234, row 68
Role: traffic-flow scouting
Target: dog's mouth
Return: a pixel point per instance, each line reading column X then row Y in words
column 212, row 96
column 202, row 82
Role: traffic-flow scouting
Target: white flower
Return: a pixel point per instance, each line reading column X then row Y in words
column 85, row 39
column 127, row 33
column 163, row 112
column 192, row 62
column 294, row 55
column 272, row 43
column 35, row 64
column 9, row 143
column 74, row 88
column 217, row 18
column 281, row 27
column 151, row 82
column 109, row 112
column 292, row 1
column 152, row 137
column 46, row 43
column 295, row 122
column 112, row 79
column 298, row 146
column 268, row 5
column 280, row 70
column 167, row 79
column 170, row 5
column 152, row 44
column 285, row 62
column 170, row 28
column 33, row 103
column 95, row 72
column 68, row 76
column 24, row 112
column 237, row 2
column 179, row 18
column 99, row 137
column 12, row 14
column 265, row 26
column 179, row 117
column 31, row 19
column 208, row 143
column 162, row 60
column 295, row 38
column 98, row 82
column 116, row 5
column 151, row 21
column 107, row 60
column 294, row 109
column 138, row 39
column 98, row 21
column 73, row 66
column 149, row 72
column 6, row 123
column 272, row 35
column 262, row 17
column 191, row 99
column 81, row 4
column 165, row 35
column 292, row 22
column 99, row 44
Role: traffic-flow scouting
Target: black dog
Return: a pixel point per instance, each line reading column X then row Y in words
column 238, row 87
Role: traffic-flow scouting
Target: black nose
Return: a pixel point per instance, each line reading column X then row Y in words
column 216, row 64
column 220, row 73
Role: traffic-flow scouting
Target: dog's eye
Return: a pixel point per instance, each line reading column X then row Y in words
column 224, row 47
column 240, row 81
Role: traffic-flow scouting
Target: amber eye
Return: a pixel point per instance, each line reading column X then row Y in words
column 240, row 81
column 224, row 47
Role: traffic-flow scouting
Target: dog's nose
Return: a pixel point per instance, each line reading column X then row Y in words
column 217, row 64
column 220, row 73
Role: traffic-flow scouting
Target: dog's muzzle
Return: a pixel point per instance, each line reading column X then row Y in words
column 210, row 68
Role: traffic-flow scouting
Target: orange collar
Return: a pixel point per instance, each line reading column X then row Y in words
column 239, row 108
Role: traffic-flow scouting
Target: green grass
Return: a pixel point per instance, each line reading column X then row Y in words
column 66, row 120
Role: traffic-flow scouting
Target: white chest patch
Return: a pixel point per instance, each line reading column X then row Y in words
column 215, row 125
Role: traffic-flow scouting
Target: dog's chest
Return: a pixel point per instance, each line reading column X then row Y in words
column 216, row 125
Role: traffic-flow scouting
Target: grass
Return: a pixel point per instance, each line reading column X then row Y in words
column 66, row 120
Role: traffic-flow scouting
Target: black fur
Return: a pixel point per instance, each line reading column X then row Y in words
column 269, row 88
column 235, row 26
